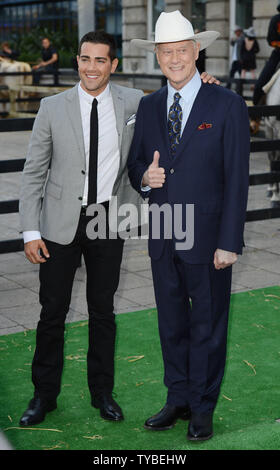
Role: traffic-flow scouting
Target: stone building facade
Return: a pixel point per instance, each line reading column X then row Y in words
column 139, row 17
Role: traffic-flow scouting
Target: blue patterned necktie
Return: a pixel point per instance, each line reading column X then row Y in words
column 175, row 123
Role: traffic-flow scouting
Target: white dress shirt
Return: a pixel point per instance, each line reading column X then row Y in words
column 188, row 94
column 108, row 148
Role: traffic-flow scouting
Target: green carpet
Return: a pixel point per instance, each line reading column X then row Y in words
column 245, row 416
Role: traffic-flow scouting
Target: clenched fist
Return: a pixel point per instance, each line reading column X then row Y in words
column 223, row 259
column 154, row 176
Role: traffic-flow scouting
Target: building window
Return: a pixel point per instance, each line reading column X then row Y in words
column 198, row 14
column 24, row 23
column 108, row 16
column 154, row 9
column 244, row 13
column 19, row 17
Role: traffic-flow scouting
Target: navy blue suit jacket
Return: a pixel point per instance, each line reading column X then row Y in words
column 210, row 168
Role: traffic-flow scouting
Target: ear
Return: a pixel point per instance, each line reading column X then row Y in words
column 115, row 63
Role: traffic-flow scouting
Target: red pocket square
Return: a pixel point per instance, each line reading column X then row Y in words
column 204, row 125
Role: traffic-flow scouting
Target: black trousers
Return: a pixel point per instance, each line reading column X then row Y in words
column 102, row 261
column 266, row 75
column 37, row 73
column 235, row 67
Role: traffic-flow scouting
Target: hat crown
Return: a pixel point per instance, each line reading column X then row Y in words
column 171, row 27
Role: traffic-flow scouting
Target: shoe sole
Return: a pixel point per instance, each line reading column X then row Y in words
column 111, row 419
column 152, row 428
column 196, row 439
column 165, row 428
column 106, row 417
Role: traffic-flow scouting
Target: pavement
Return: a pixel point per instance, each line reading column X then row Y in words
column 258, row 267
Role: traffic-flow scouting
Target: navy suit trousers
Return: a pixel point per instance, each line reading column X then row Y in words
column 193, row 304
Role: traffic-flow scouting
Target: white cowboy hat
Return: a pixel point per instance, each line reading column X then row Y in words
column 174, row 27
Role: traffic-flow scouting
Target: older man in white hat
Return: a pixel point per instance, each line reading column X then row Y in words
column 190, row 151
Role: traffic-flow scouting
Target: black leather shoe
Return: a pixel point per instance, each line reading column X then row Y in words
column 200, row 427
column 109, row 409
column 167, row 417
column 36, row 411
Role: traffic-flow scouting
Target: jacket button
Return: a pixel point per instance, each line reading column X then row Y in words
column 83, row 172
column 80, row 198
column 172, row 171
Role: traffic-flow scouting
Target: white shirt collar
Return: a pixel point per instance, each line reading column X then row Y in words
column 191, row 88
column 89, row 98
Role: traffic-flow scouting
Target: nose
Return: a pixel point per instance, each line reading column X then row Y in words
column 175, row 57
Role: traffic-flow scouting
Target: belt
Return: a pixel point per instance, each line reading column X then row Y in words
column 84, row 210
column 105, row 204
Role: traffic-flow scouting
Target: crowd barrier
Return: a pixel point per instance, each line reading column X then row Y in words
column 56, row 76
column 26, row 124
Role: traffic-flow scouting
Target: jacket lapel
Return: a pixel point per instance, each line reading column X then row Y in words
column 74, row 113
column 200, row 106
column 118, row 102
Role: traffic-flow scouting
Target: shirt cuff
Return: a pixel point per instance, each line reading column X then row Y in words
column 145, row 188
column 31, row 235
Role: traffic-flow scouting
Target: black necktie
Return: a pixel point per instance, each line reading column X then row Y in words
column 93, row 154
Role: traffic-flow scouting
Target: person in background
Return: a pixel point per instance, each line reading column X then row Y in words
column 8, row 52
column 49, row 62
column 273, row 39
column 236, row 64
column 249, row 49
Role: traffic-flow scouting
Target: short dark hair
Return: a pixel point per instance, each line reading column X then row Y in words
column 100, row 37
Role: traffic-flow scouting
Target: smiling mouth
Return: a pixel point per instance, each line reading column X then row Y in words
column 91, row 77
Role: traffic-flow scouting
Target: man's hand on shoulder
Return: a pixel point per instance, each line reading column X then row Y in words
column 207, row 78
column 32, row 251
column 223, row 259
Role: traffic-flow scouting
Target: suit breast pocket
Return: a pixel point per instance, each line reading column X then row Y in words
column 53, row 189
column 130, row 127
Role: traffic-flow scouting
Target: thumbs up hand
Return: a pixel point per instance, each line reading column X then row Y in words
column 154, row 176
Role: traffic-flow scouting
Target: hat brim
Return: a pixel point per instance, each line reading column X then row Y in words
column 205, row 39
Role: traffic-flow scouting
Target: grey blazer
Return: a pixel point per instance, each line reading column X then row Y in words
column 53, row 177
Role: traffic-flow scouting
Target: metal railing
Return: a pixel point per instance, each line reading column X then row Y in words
column 26, row 124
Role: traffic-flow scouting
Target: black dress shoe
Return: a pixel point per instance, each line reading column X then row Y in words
column 167, row 417
column 200, row 427
column 36, row 411
column 109, row 409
